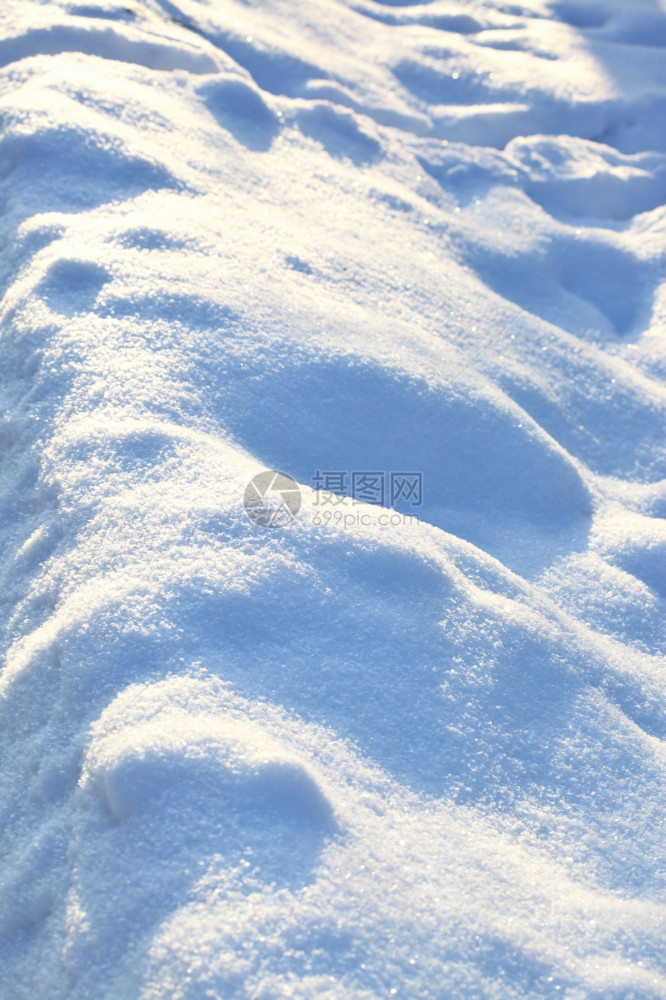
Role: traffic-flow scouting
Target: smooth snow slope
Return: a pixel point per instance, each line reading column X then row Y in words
column 340, row 759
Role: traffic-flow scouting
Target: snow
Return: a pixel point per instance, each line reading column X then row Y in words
column 408, row 749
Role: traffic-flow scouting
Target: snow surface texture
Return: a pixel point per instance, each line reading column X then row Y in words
column 338, row 759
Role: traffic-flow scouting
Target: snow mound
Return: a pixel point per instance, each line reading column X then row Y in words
column 132, row 764
column 388, row 723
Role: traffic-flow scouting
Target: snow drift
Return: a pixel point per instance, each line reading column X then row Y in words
column 401, row 745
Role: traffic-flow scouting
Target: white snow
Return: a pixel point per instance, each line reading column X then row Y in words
column 367, row 752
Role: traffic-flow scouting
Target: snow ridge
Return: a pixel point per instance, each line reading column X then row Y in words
column 406, row 748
